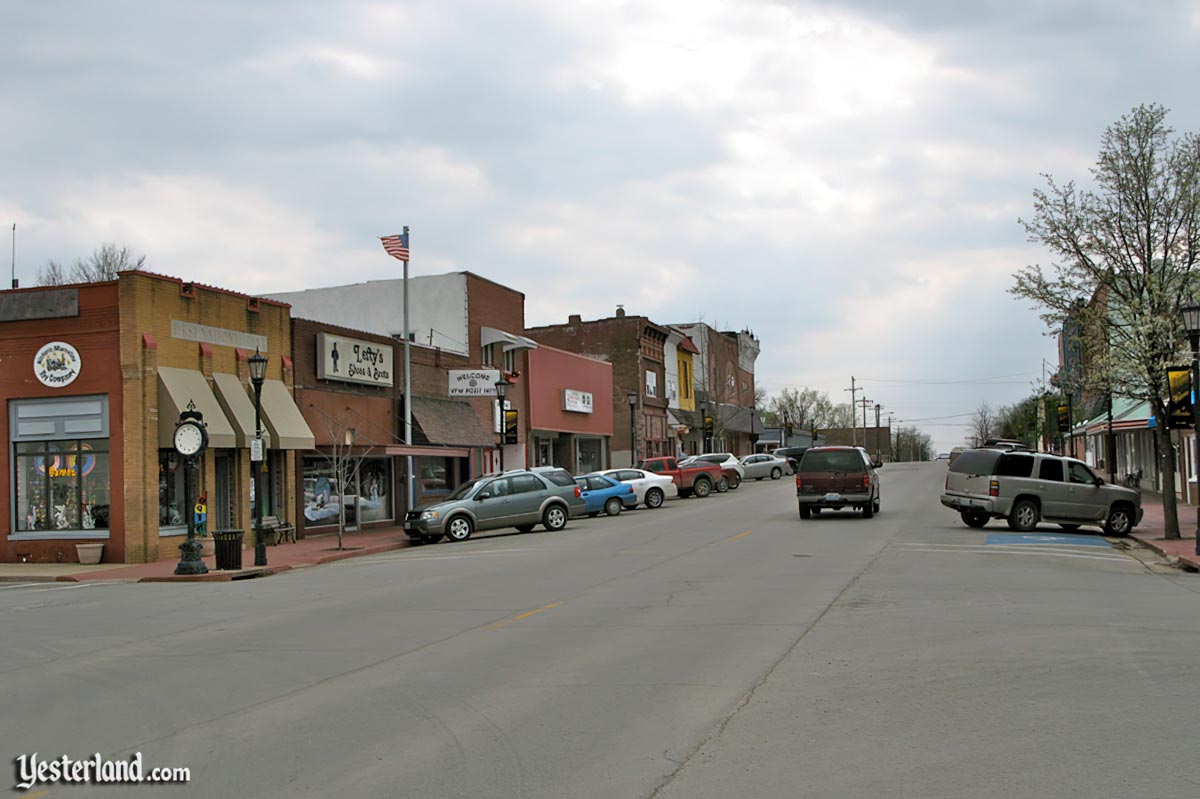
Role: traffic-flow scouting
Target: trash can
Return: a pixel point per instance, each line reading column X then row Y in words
column 229, row 549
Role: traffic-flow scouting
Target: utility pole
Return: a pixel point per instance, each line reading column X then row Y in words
column 853, row 422
column 878, row 454
column 891, row 450
column 864, row 402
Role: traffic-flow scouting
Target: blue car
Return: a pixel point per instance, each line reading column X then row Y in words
column 603, row 494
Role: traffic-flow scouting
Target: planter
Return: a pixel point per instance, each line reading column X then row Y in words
column 207, row 545
column 89, row 553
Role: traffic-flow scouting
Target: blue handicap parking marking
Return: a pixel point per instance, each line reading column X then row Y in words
column 1047, row 538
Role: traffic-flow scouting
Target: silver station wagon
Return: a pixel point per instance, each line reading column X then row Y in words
column 1026, row 488
column 519, row 498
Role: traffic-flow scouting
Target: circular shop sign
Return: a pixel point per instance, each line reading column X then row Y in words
column 57, row 364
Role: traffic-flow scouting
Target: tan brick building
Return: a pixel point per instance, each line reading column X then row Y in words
column 101, row 373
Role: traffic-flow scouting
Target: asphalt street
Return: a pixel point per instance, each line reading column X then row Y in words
column 713, row 648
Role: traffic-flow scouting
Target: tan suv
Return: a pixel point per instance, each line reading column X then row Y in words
column 1025, row 488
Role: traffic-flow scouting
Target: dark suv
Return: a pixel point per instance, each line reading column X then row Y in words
column 793, row 455
column 836, row 478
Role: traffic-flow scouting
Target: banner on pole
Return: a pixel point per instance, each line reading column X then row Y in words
column 1179, row 405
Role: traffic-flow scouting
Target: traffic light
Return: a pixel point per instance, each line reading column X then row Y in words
column 708, row 425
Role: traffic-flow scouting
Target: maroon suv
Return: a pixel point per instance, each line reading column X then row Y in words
column 836, row 478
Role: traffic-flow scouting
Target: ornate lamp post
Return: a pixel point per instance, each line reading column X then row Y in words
column 1191, row 321
column 501, row 392
column 190, row 439
column 632, row 399
column 258, row 373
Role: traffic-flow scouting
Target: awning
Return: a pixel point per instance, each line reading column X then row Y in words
column 176, row 389
column 451, row 422
column 283, row 418
column 511, row 341
column 239, row 409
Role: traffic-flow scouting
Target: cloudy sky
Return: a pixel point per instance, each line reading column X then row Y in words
column 843, row 178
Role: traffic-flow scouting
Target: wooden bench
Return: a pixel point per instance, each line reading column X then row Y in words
column 276, row 530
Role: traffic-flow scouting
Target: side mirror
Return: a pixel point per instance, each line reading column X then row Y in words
column 878, row 464
column 1099, row 481
column 484, row 495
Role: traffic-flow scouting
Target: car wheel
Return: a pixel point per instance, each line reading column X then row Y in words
column 734, row 482
column 805, row 512
column 1024, row 516
column 555, row 518
column 876, row 505
column 722, row 485
column 654, row 498
column 1120, row 521
column 776, row 473
column 524, row 528
column 816, row 511
column 868, row 510
column 430, row 539
column 1070, row 528
column 972, row 519
column 459, row 528
column 702, row 487
column 613, row 506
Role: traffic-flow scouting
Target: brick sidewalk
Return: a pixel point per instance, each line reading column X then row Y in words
column 1150, row 532
column 310, row 551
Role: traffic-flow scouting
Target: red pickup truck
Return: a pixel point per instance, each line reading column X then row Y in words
column 697, row 478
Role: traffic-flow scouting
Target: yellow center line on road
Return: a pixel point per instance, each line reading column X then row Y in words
column 739, row 535
column 525, row 615
column 37, row 795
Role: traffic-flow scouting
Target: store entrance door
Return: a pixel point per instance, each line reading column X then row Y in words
column 220, row 512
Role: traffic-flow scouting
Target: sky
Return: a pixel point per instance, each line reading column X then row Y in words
column 844, row 179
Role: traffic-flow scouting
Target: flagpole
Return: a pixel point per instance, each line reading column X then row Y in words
column 410, row 488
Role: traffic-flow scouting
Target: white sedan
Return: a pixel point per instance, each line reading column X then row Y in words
column 651, row 489
column 765, row 465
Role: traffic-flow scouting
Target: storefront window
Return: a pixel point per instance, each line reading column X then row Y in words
column 374, row 495
column 170, row 489
column 591, row 455
column 62, row 485
column 322, row 495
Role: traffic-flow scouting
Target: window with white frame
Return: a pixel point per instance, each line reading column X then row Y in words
column 651, row 383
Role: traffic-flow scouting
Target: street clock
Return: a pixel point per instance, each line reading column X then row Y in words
column 191, row 436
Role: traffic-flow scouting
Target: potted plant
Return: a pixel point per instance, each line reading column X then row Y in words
column 89, row 553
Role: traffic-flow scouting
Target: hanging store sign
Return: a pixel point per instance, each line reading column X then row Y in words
column 474, row 382
column 351, row 360
column 577, row 401
column 57, row 364
column 1179, row 407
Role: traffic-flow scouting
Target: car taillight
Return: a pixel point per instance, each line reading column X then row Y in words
column 578, row 493
column 799, row 483
column 866, row 481
column 628, row 489
column 994, row 488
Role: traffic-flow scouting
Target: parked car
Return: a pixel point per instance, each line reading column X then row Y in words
column 1025, row 488
column 791, row 454
column 697, row 478
column 954, row 453
column 651, row 489
column 943, row 456
column 555, row 474
column 836, row 478
column 518, row 498
column 763, row 465
column 602, row 493
column 1006, row 444
column 731, row 469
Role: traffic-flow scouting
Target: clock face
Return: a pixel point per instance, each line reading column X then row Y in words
column 189, row 438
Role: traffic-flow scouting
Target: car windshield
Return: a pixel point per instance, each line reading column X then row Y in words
column 835, row 460
column 463, row 490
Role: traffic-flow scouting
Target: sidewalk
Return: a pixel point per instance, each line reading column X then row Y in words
column 1150, row 532
column 311, row 551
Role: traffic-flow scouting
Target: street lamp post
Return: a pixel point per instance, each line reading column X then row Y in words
column 878, row 453
column 632, row 399
column 1191, row 321
column 501, row 393
column 258, row 373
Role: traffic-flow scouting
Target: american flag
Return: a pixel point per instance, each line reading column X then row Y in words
column 396, row 246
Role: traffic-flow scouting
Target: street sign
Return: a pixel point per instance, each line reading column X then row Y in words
column 256, row 449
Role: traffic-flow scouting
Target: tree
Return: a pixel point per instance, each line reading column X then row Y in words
column 1020, row 421
column 1125, row 257
column 344, row 463
column 912, row 445
column 983, row 425
column 102, row 265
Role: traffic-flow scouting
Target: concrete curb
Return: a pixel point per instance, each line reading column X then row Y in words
column 1189, row 563
column 218, row 576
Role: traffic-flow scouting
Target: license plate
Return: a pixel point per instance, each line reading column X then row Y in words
column 833, row 497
